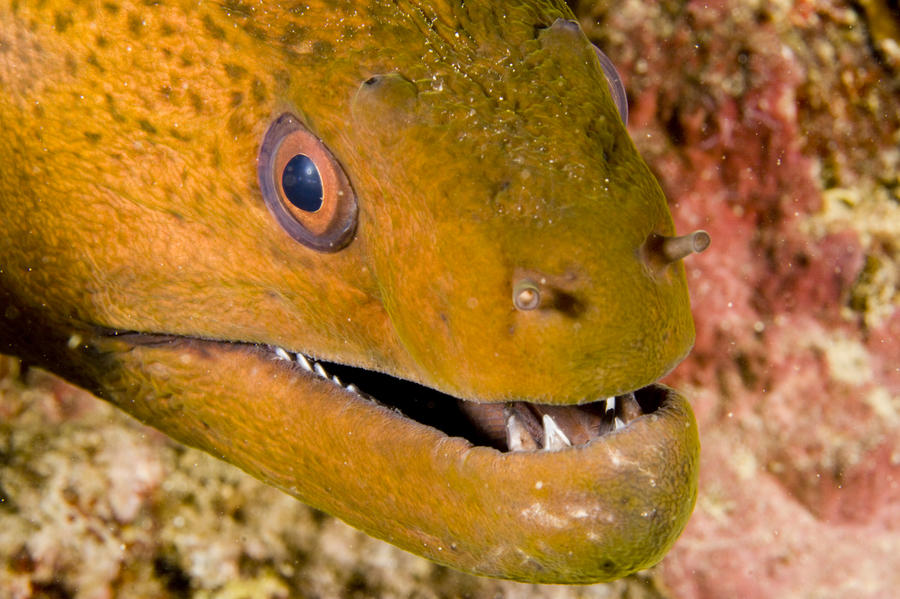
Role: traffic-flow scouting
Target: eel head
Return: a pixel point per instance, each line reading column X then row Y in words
column 406, row 266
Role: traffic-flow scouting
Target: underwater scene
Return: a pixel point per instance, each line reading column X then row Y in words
column 773, row 127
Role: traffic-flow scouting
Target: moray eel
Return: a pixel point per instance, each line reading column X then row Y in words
column 399, row 259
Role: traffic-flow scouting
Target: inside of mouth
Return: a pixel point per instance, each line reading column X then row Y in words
column 509, row 426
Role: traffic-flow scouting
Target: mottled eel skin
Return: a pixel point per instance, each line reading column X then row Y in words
column 487, row 230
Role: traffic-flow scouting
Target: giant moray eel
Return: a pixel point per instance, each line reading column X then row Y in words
column 398, row 259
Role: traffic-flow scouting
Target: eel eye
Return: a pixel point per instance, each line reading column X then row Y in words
column 305, row 188
column 616, row 88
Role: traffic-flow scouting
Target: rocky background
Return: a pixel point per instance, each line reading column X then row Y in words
column 773, row 125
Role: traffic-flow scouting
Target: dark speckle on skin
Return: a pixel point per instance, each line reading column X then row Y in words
column 213, row 29
column 323, row 50
column 113, row 111
column 293, row 34
column 111, row 7
column 178, row 135
column 147, row 126
column 62, row 21
column 135, row 24
column 235, row 7
column 215, row 156
column 237, row 98
column 71, row 65
column 256, row 32
column 101, row 41
column 258, row 91
column 282, row 79
column 236, row 125
column 234, row 72
column 196, row 101
column 92, row 137
column 92, row 60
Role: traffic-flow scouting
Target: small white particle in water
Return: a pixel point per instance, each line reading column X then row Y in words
column 74, row 341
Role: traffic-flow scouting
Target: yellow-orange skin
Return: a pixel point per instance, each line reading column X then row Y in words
column 491, row 151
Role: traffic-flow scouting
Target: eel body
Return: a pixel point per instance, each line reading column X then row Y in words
column 453, row 344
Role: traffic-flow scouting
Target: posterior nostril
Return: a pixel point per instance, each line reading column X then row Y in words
column 526, row 295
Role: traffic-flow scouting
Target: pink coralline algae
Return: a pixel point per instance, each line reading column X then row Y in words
column 776, row 128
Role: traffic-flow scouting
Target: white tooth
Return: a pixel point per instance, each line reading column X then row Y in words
column 302, row 361
column 611, row 403
column 282, row 355
column 514, row 432
column 337, row 381
column 320, row 370
column 554, row 437
column 352, row 388
column 619, row 423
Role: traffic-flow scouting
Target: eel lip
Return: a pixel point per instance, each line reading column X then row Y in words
column 588, row 513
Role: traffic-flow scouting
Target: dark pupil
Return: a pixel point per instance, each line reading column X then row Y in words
column 302, row 184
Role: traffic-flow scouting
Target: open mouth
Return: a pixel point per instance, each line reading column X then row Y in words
column 520, row 490
column 509, row 427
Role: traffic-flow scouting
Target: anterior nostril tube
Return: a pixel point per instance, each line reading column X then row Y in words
column 676, row 248
column 526, row 295
column 665, row 250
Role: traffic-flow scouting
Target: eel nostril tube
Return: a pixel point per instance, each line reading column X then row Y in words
column 665, row 250
column 526, row 295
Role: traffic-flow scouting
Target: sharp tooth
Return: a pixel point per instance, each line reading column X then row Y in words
column 352, row 388
column 337, row 381
column 629, row 408
column 302, row 361
column 554, row 437
column 611, row 403
column 517, row 436
column 514, row 431
column 282, row 355
column 619, row 424
column 320, row 370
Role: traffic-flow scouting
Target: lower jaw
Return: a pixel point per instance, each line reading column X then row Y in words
column 594, row 511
